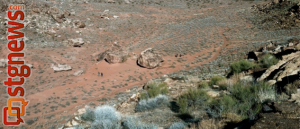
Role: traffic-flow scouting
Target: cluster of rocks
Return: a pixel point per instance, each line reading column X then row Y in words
column 283, row 13
column 281, row 115
column 117, row 54
column 288, row 66
column 106, row 15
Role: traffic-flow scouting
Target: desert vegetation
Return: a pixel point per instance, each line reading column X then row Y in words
column 206, row 80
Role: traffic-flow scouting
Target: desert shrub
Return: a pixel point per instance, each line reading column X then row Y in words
column 214, row 80
column 29, row 122
column 105, row 124
column 103, row 117
column 154, row 89
column 292, row 88
column 107, row 113
column 79, row 127
column 203, row 84
column 241, row 65
column 151, row 103
column 89, row 115
column 177, row 125
column 144, row 95
column 182, row 104
column 134, row 123
column 264, row 91
column 268, row 60
column 194, row 97
column 245, row 100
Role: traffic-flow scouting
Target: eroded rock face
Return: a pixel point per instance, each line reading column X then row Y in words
column 289, row 65
column 116, row 54
column 288, row 69
column 149, row 59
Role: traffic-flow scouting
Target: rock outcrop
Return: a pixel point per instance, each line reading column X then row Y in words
column 286, row 64
column 149, row 59
column 285, row 115
column 116, row 54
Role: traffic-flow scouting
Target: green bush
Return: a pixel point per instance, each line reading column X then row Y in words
column 155, row 89
column 89, row 115
column 194, row 97
column 245, row 100
column 203, row 84
column 182, row 104
column 214, row 80
column 135, row 123
column 228, row 102
column 144, row 95
column 268, row 60
column 152, row 103
column 241, row 65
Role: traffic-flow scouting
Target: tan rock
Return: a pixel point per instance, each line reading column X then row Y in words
column 78, row 42
column 272, row 82
column 116, row 54
column 213, row 93
column 215, row 87
column 290, row 68
column 150, row 59
column 79, row 24
column 60, row 67
column 78, row 73
column 284, row 60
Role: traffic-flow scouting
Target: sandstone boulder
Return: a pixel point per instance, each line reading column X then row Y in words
column 60, row 67
column 116, row 54
column 149, row 59
column 288, row 69
column 284, row 60
column 104, row 14
column 76, row 42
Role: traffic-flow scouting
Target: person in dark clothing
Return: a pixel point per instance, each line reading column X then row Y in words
column 176, row 55
column 101, row 74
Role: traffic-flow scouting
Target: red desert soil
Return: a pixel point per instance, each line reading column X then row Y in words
column 65, row 86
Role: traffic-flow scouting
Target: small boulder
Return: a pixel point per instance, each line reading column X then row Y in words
column 76, row 42
column 215, row 87
column 149, row 59
column 79, row 24
column 60, row 67
column 3, row 63
column 78, row 73
column 116, row 54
